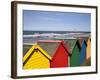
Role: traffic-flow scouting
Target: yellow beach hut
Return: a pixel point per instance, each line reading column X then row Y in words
column 36, row 58
column 88, row 51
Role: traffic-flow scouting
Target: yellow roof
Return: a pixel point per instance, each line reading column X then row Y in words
column 35, row 46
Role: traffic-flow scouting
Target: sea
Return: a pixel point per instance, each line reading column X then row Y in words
column 31, row 37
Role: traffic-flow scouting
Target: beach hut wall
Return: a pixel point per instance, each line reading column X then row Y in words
column 83, row 52
column 57, row 51
column 88, row 50
column 74, row 49
column 60, row 58
column 35, row 58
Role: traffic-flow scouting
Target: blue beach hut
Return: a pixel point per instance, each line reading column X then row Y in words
column 83, row 52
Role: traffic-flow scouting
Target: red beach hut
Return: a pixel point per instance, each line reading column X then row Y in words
column 59, row 53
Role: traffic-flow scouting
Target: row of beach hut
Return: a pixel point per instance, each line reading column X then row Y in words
column 58, row 53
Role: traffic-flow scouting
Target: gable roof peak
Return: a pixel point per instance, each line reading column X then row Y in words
column 71, row 44
column 35, row 48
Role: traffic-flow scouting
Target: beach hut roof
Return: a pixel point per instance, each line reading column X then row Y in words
column 82, row 41
column 83, row 38
column 64, row 38
column 33, row 49
column 50, row 41
column 89, row 38
column 50, row 46
column 71, row 44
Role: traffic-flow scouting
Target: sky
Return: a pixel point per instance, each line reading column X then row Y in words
column 56, row 21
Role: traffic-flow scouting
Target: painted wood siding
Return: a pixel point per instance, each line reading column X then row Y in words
column 60, row 58
column 83, row 54
column 37, row 61
column 88, row 50
column 74, row 59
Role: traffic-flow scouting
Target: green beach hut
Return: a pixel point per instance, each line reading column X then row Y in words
column 74, row 50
